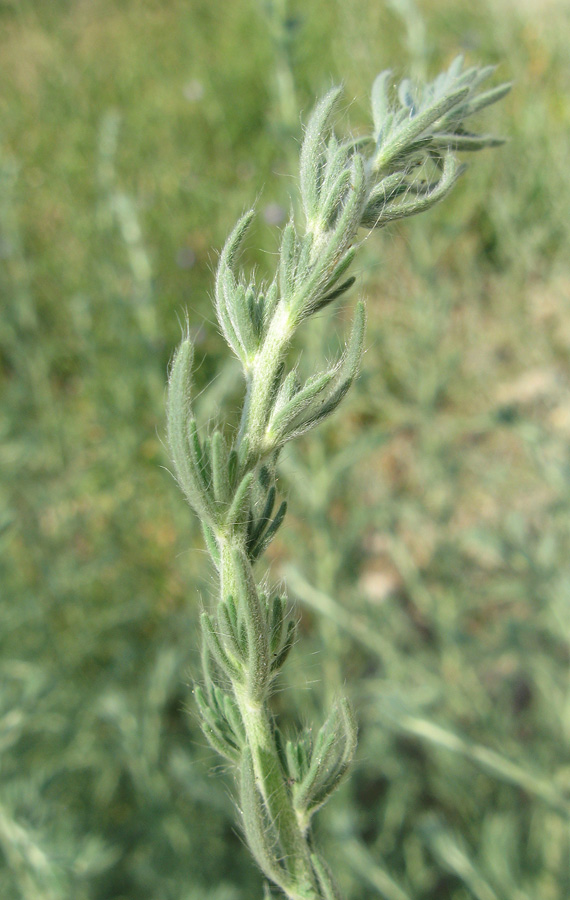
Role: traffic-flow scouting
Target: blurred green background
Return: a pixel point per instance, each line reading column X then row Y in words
column 428, row 543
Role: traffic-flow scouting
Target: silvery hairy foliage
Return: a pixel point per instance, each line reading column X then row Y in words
column 405, row 166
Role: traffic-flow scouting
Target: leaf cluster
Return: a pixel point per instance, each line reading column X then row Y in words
column 424, row 126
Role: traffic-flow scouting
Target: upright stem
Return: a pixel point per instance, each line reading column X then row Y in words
column 256, row 718
column 263, row 374
column 273, row 788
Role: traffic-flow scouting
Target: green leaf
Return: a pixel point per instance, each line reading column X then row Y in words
column 312, row 156
column 269, row 532
column 328, row 888
column 332, row 202
column 346, row 371
column 231, row 307
column 229, row 632
column 220, row 469
column 304, row 260
column 276, row 623
column 251, row 613
column 334, row 245
column 292, row 757
column 211, row 543
column 332, row 753
column 232, row 468
column 238, row 514
column 335, row 294
column 230, row 668
column 257, row 527
column 381, row 103
column 477, row 103
column 216, row 729
column 200, row 456
column 233, row 718
column 241, row 313
column 419, row 202
column 301, row 400
column 288, row 260
column 261, row 834
column 416, row 125
column 283, row 652
column 341, row 267
column 465, row 142
column 188, row 463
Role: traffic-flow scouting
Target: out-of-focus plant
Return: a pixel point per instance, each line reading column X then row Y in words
column 404, row 167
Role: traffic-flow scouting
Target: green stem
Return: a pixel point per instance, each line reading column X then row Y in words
column 264, row 371
column 235, row 572
column 273, row 788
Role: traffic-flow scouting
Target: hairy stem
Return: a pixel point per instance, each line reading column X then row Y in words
column 235, row 570
column 261, row 384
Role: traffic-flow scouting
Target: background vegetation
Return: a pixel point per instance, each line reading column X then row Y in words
column 430, row 554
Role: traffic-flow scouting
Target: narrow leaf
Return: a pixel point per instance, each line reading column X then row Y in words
column 227, row 666
column 220, row 473
column 238, row 310
column 211, row 543
column 328, row 888
column 261, row 834
column 200, row 456
column 283, row 653
column 380, row 101
column 416, row 126
column 346, row 372
column 287, row 260
column 232, row 468
column 465, row 142
column 225, row 288
column 257, row 528
column 234, row 719
column 332, row 203
column 477, row 103
column 270, row 532
column 238, row 512
column 292, row 757
column 250, row 611
column 334, row 295
column 311, row 159
column 214, row 730
column 451, row 172
column 179, row 413
column 229, row 632
column 333, row 750
column 298, row 403
column 276, row 623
